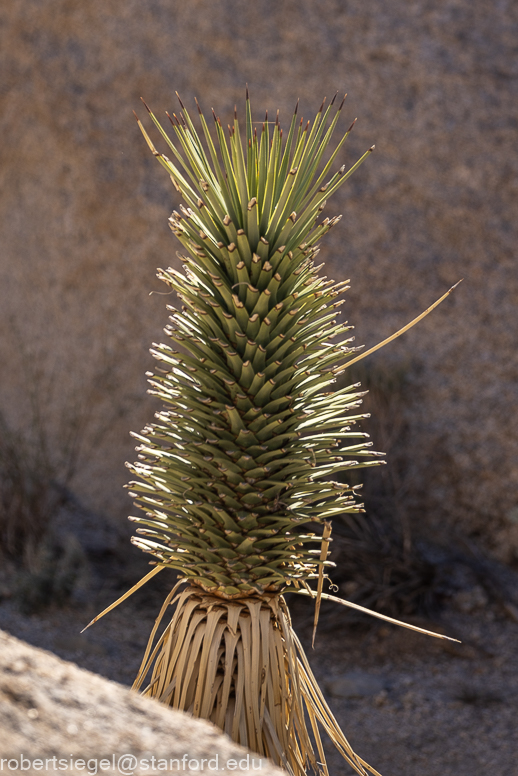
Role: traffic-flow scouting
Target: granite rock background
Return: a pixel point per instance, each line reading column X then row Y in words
column 84, row 207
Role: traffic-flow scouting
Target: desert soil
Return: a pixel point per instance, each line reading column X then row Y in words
column 409, row 704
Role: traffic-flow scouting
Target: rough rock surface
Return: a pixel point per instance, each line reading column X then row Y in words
column 52, row 709
column 83, row 207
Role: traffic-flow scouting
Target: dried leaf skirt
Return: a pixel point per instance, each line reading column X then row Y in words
column 240, row 665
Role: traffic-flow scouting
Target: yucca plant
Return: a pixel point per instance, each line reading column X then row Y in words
column 235, row 476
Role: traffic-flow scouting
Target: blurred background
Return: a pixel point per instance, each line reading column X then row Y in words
column 83, row 214
column 84, row 207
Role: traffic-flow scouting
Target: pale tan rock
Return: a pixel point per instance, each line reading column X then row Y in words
column 52, row 709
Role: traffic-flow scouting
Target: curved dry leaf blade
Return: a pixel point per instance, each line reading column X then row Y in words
column 125, row 596
column 404, row 329
column 380, row 616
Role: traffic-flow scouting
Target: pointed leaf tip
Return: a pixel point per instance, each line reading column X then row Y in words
column 352, row 125
column 180, row 101
column 247, row 94
column 372, row 148
column 146, row 106
column 334, row 98
column 296, row 107
column 342, row 103
column 198, row 106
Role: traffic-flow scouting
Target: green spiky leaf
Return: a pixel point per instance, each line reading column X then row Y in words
column 241, row 460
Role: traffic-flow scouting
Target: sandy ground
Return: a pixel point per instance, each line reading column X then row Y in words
column 413, row 705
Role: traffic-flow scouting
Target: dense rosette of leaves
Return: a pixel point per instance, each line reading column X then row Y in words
column 241, row 460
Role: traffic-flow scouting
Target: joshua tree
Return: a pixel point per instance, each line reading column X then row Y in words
column 240, row 464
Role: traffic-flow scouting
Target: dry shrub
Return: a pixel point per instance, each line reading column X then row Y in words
column 379, row 560
column 28, row 495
